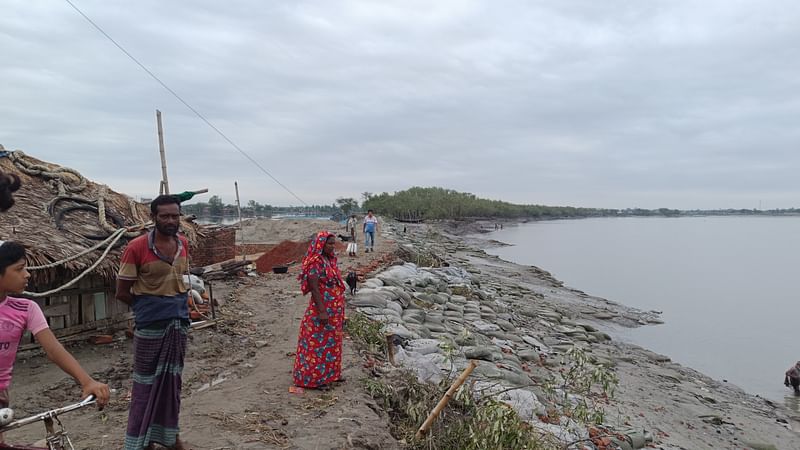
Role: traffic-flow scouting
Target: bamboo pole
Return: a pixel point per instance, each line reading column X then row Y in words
column 241, row 226
column 446, row 399
column 164, row 179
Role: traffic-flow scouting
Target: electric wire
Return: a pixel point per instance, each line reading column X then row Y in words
column 184, row 102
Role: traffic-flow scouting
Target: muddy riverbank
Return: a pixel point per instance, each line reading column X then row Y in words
column 521, row 319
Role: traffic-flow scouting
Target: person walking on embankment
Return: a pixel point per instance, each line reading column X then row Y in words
column 370, row 228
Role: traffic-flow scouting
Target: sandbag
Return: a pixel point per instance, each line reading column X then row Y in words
column 197, row 298
column 196, row 283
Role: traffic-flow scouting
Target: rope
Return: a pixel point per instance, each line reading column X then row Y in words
column 62, row 181
column 101, row 210
column 58, row 178
column 79, row 277
column 135, row 211
column 78, row 255
column 59, row 219
column 51, row 205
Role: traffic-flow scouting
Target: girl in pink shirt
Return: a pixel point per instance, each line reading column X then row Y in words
column 18, row 315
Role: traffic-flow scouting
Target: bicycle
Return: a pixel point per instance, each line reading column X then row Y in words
column 56, row 439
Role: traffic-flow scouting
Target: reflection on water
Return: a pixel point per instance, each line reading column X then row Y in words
column 727, row 286
column 792, row 402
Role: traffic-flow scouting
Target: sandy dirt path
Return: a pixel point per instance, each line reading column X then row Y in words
column 236, row 381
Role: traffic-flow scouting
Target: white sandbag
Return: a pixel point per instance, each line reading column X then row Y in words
column 198, row 300
column 196, row 282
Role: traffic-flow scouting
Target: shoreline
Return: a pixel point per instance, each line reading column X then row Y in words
column 679, row 406
column 486, row 243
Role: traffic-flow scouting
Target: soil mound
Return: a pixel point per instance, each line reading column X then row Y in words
column 288, row 252
column 284, row 253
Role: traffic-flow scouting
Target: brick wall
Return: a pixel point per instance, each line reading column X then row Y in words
column 251, row 249
column 219, row 245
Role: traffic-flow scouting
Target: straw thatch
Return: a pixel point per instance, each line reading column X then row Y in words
column 30, row 223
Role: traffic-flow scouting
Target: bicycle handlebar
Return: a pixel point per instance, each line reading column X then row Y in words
column 48, row 414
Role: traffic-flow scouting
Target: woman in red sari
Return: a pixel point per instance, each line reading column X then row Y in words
column 318, row 361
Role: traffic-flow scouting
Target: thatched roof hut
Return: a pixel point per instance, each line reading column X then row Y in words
column 55, row 225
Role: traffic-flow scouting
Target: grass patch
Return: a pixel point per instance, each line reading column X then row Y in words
column 366, row 333
column 420, row 256
column 467, row 423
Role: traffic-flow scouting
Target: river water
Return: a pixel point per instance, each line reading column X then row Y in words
column 727, row 286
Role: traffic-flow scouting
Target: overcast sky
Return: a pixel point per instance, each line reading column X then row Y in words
column 640, row 103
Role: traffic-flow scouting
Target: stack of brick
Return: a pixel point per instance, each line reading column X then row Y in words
column 214, row 246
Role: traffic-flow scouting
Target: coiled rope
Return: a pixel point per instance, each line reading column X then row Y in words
column 58, row 177
column 63, row 182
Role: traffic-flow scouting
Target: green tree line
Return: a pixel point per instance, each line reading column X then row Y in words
column 438, row 203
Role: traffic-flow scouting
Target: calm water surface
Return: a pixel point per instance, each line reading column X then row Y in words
column 727, row 286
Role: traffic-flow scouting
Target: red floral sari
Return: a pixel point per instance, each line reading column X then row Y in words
column 319, row 348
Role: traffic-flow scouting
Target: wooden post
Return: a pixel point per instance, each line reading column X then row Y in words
column 211, row 299
column 164, row 179
column 390, row 348
column 241, row 227
column 447, row 396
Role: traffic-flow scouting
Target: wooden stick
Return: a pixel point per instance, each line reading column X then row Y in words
column 163, row 154
column 241, row 227
column 203, row 324
column 211, row 299
column 390, row 348
column 446, row 399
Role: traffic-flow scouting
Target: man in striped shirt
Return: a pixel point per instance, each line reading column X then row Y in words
column 150, row 279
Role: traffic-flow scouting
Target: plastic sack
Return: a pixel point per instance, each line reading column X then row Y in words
column 196, row 282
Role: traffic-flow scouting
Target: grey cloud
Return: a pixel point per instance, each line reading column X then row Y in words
column 610, row 104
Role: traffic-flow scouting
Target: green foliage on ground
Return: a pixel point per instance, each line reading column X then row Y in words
column 366, row 333
column 577, row 397
column 468, row 422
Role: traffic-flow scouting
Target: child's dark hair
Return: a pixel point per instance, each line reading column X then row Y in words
column 10, row 253
column 9, row 183
column 164, row 200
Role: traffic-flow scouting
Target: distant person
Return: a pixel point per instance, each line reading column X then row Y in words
column 150, row 279
column 351, row 227
column 793, row 377
column 318, row 360
column 370, row 228
column 9, row 183
column 18, row 315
